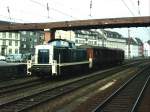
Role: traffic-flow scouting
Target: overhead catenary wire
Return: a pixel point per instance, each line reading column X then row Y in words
column 75, row 10
column 14, row 19
column 128, row 8
column 139, row 13
column 56, row 10
column 23, row 13
column 61, row 4
column 134, row 5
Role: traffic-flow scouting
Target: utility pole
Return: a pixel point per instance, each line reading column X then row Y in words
column 129, row 42
column 8, row 10
column 48, row 10
column 138, row 2
column 90, row 8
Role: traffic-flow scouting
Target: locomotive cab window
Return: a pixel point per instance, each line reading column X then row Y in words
column 43, row 56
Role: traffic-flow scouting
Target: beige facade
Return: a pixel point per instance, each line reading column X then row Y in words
column 81, row 37
column 68, row 35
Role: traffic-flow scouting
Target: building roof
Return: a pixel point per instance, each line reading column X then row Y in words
column 4, row 22
column 131, row 41
column 112, row 34
column 148, row 42
column 89, row 33
column 139, row 41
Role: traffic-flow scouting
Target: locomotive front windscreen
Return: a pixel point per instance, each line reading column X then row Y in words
column 43, row 56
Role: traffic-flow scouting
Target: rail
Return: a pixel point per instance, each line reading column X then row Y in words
column 121, row 95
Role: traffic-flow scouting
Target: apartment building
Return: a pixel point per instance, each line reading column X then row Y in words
column 133, row 47
column 28, row 41
column 82, row 37
column 9, row 43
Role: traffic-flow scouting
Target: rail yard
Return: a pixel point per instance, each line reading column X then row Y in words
column 53, row 61
column 115, row 89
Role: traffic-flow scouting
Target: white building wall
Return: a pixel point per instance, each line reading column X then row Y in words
column 134, row 49
column 15, row 42
column 146, row 50
column 80, row 41
column 116, row 43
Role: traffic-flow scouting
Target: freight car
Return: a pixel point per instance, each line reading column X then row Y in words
column 60, row 56
column 104, row 56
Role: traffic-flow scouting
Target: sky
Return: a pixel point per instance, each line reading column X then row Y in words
column 65, row 10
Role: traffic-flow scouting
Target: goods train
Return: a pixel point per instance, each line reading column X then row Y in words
column 60, row 56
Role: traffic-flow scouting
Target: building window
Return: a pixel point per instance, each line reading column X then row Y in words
column 32, row 46
column 35, row 40
column 16, row 51
column 16, row 43
column 10, row 51
column 81, row 41
column 23, row 39
column 10, row 43
column 16, row 36
column 4, row 35
column 77, row 35
column 24, row 32
column 31, row 33
column 24, row 46
column 10, row 35
column 4, row 42
column 76, row 41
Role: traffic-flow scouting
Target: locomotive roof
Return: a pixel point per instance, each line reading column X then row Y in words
column 69, row 44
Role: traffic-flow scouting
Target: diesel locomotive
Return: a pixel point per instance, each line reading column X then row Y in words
column 60, row 56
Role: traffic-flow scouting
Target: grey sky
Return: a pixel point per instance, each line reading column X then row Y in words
column 62, row 10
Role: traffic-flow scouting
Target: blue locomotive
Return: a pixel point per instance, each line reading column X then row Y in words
column 60, row 56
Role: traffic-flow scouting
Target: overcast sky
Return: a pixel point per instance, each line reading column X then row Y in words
column 62, row 10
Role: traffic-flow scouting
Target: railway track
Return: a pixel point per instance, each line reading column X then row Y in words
column 16, row 87
column 29, row 101
column 15, row 82
column 126, row 98
column 144, row 104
